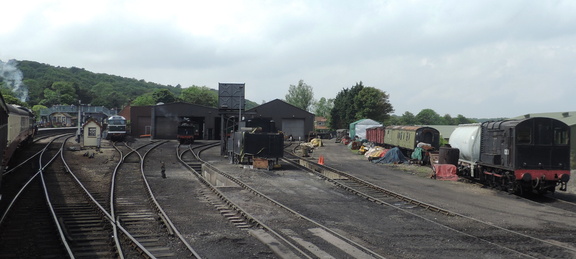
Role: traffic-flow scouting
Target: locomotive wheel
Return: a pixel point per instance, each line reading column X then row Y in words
column 510, row 186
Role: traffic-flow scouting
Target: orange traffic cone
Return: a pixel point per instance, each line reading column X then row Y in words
column 321, row 160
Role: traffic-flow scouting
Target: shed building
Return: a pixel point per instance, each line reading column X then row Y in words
column 289, row 119
column 161, row 121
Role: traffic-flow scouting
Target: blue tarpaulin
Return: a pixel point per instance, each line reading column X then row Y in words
column 393, row 155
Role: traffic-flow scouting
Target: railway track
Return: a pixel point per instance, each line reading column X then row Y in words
column 139, row 213
column 290, row 233
column 28, row 227
column 521, row 242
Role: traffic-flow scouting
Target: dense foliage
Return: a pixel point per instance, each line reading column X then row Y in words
column 428, row 117
column 359, row 102
column 301, row 95
column 48, row 85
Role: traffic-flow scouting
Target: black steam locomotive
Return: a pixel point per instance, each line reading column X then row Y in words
column 527, row 155
column 187, row 131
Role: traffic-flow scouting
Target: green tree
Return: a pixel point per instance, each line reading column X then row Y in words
column 36, row 109
column 448, row 120
column 344, row 111
column 163, row 96
column 460, row 119
column 359, row 102
column 372, row 103
column 9, row 97
column 62, row 93
column 300, row 95
column 144, row 100
column 200, row 95
column 428, row 117
column 323, row 107
column 407, row 118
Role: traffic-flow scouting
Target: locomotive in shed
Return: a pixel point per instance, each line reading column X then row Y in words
column 519, row 156
column 187, row 131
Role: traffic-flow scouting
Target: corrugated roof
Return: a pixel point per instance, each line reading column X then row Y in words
column 567, row 117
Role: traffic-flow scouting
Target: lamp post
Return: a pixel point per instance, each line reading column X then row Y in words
column 240, row 107
column 79, row 120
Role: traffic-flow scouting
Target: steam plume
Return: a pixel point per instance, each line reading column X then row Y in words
column 12, row 77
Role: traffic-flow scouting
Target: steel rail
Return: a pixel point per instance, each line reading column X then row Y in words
column 426, row 206
column 280, row 205
column 118, row 221
column 32, row 157
column 112, row 211
column 27, row 183
column 165, row 217
column 233, row 205
column 50, row 206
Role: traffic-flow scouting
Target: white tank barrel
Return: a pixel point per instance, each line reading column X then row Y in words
column 466, row 138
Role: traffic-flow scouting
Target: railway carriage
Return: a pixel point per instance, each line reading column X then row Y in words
column 376, row 135
column 17, row 128
column 527, row 155
column 408, row 138
column 21, row 129
column 3, row 135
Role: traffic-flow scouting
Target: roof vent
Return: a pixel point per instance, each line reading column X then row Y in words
column 565, row 114
column 527, row 116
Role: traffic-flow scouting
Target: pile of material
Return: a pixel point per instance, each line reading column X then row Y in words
column 354, row 145
column 316, row 142
column 375, row 152
column 392, row 156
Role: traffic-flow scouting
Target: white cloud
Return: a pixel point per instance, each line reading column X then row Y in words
column 475, row 58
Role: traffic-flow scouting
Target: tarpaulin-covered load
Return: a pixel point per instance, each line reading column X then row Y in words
column 445, row 172
column 393, row 156
column 375, row 153
column 358, row 128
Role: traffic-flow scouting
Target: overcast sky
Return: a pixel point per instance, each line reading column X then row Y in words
column 476, row 58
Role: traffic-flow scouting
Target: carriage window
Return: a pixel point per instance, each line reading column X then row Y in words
column 560, row 136
column 523, row 135
column 544, row 136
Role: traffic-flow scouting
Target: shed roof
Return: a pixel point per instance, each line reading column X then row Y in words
column 366, row 122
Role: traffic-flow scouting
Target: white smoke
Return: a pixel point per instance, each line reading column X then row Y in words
column 12, row 78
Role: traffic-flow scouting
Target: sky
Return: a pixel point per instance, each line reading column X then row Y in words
column 480, row 59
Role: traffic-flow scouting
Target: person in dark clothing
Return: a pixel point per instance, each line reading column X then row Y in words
column 163, row 169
